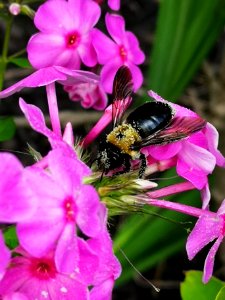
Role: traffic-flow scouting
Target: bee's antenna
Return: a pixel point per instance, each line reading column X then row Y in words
column 139, row 273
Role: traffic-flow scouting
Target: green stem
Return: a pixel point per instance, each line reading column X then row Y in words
column 19, row 53
column 5, row 50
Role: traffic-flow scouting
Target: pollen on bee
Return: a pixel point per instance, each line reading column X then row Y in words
column 123, row 136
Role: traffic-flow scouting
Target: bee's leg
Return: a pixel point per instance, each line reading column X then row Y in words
column 143, row 165
column 126, row 165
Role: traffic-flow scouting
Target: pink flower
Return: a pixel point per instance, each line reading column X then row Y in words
column 15, row 202
column 5, row 256
column 64, row 37
column 63, row 201
column 124, row 50
column 196, row 156
column 90, row 95
column 38, row 278
column 209, row 227
column 206, row 230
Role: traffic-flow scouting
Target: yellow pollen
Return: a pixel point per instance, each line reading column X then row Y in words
column 123, row 137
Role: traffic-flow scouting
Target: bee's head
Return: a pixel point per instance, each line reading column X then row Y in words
column 109, row 157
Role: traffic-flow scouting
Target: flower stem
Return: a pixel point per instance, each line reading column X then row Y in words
column 53, row 108
column 182, row 208
column 172, row 189
column 99, row 126
column 4, row 61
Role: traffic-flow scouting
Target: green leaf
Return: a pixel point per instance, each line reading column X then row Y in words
column 10, row 236
column 20, row 62
column 221, row 294
column 7, row 128
column 194, row 288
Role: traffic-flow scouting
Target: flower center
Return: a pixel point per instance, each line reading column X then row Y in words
column 72, row 39
column 123, row 53
column 70, row 209
column 43, row 268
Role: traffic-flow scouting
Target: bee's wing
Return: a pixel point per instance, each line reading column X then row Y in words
column 122, row 89
column 179, row 128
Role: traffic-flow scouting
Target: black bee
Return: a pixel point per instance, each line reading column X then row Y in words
column 153, row 123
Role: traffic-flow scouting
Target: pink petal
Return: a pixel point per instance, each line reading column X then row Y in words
column 39, row 236
column 108, row 73
column 87, row 12
column 105, row 48
column 114, row 4
column 5, row 256
column 102, row 291
column 66, row 254
column 221, row 210
column 136, row 75
column 206, row 196
column 55, row 51
column 39, row 78
column 48, row 19
column 87, row 53
column 49, row 75
column 88, row 263
column 88, row 214
column 67, row 171
column 15, row 296
column 68, row 135
column 213, row 138
column 205, row 231
column 197, row 157
column 36, row 119
column 209, row 262
column 165, row 151
column 15, row 201
column 135, row 54
column 109, row 267
column 180, row 110
column 197, row 177
column 116, row 27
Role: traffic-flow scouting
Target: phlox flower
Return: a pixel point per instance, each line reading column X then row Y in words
column 5, row 256
column 91, row 95
column 196, row 156
column 122, row 50
column 64, row 37
column 38, row 278
column 209, row 227
column 64, row 204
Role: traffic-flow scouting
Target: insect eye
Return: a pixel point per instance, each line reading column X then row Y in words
column 119, row 136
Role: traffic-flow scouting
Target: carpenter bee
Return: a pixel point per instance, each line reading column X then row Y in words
column 153, row 123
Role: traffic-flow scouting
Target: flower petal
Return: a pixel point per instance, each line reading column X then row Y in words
column 66, row 254
column 5, row 256
column 49, row 20
column 136, row 75
column 105, row 48
column 213, row 138
column 135, row 54
column 108, row 73
column 205, row 231
column 116, row 27
column 209, row 262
